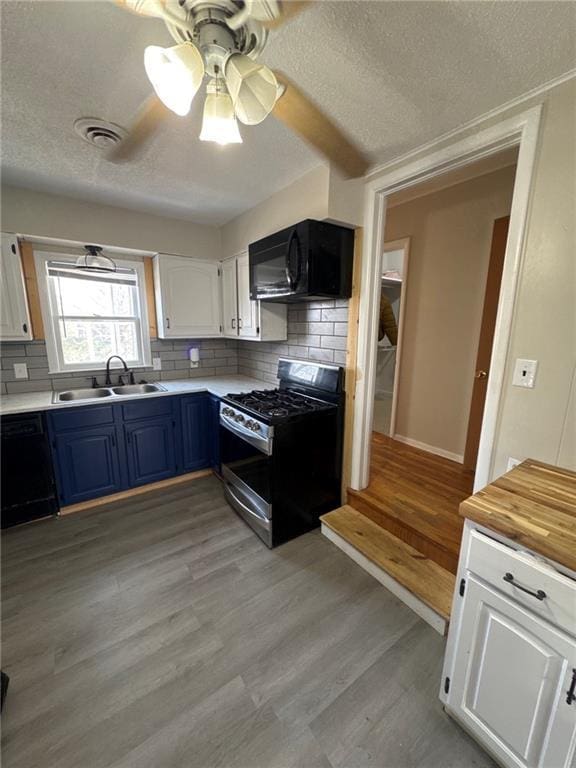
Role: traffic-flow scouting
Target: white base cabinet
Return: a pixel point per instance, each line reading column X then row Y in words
column 510, row 666
column 15, row 319
column 244, row 318
column 188, row 297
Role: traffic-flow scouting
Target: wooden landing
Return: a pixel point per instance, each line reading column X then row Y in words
column 420, row 579
column 415, row 495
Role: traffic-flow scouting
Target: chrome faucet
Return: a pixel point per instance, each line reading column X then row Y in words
column 108, row 380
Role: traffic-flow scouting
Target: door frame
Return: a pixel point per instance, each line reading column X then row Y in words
column 521, row 130
column 396, row 245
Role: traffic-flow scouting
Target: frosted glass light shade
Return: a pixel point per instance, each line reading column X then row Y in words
column 253, row 88
column 176, row 74
column 219, row 123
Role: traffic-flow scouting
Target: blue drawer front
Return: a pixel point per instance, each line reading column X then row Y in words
column 148, row 409
column 83, row 416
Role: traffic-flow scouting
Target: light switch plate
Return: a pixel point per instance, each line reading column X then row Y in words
column 20, row 370
column 525, row 373
column 157, row 363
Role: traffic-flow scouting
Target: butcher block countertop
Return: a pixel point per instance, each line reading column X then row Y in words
column 533, row 504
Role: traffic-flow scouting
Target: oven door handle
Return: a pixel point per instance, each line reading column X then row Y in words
column 261, row 443
column 263, row 521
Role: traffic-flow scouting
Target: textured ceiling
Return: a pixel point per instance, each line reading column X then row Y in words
column 393, row 74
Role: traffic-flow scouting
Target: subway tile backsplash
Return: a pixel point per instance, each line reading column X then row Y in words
column 217, row 357
column 316, row 331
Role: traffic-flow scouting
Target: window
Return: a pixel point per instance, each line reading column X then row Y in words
column 92, row 315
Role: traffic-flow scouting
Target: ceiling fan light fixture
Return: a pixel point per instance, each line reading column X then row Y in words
column 219, row 122
column 253, row 88
column 176, row 74
column 93, row 260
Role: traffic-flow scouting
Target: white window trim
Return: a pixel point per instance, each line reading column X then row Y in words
column 52, row 333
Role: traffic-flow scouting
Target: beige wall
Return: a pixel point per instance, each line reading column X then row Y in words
column 306, row 198
column 451, row 232
column 319, row 194
column 37, row 213
column 541, row 422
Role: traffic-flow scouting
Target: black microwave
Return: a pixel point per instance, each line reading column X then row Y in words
column 310, row 260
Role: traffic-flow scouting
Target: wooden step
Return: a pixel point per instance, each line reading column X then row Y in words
column 416, row 579
column 432, row 536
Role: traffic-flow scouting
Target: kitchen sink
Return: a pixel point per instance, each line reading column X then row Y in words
column 83, row 394
column 98, row 392
column 137, row 389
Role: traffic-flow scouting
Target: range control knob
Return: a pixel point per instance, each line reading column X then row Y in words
column 227, row 411
column 239, row 418
column 255, row 426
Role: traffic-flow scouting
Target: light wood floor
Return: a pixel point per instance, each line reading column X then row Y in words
column 415, row 495
column 162, row 633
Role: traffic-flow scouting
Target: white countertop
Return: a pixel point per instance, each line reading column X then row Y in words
column 216, row 385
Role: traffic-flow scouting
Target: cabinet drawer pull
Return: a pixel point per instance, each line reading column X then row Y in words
column 539, row 594
column 240, row 323
column 233, row 323
column 167, row 322
column 570, row 696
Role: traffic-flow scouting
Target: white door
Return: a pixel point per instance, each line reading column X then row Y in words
column 188, row 297
column 229, row 298
column 248, row 314
column 511, row 675
column 14, row 321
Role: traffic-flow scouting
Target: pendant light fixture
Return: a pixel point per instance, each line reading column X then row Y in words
column 176, row 74
column 93, row 260
column 219, row 122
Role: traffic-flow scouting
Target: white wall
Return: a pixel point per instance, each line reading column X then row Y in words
column 37, row 213
column 541, row 423
column 319, row 194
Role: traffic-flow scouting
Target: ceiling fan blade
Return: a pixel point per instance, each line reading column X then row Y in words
column 302, row 116
column 147, row 122
column 288, row 9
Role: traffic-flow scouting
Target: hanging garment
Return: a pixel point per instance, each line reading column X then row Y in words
column 387, row 325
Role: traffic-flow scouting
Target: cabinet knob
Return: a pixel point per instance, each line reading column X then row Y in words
column 480, row 375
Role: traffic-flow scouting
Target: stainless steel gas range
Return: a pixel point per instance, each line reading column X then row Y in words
column 281, row 450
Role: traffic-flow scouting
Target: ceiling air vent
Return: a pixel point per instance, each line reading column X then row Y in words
column 99, row 133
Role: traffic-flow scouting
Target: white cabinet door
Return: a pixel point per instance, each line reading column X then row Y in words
column 510, row 679
column 15, row 320
column 187, row 297
column 229, row 298
column 248, row 314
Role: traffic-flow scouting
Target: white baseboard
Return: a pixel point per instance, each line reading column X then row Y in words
column 457, row 457
column 430, row 616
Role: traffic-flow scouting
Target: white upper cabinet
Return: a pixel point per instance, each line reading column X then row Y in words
column 244, row 318
column 248, row 310
column 187, row 297
column 229, row 298
column 15, row 320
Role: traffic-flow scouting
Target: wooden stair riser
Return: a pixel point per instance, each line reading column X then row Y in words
column 433, row 550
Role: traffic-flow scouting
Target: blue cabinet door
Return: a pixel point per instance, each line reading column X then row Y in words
column 150, row 450
column 87, row 463
column 195, row 433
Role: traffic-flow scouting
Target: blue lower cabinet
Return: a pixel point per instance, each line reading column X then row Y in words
column 195, row 432
column 214, row 431
column 150, row 449
column 87, row 462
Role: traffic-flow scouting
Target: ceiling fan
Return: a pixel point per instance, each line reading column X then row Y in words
column 221, row 40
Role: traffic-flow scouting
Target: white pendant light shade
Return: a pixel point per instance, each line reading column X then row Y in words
column 219, row 122
column 253, row 88
column 176, row 74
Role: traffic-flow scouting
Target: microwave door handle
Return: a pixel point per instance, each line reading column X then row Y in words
column 290, row 279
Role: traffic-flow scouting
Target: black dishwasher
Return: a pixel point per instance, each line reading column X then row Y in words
column 28, row 487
